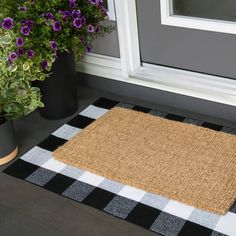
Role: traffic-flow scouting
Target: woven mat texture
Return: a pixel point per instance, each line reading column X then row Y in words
column 183, row 162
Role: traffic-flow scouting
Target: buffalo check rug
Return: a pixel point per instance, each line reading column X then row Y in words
column 151, row 211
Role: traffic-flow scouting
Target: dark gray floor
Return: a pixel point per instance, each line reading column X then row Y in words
column 28, row 210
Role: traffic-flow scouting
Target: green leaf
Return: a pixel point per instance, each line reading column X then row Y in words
column 13, row 68
column 6, row 40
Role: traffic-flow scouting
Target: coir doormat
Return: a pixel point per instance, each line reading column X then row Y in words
column 149, row 210
column 183, row 162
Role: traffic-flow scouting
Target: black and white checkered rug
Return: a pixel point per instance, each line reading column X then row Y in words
column 153, row 212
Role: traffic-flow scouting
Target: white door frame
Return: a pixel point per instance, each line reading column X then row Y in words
column 130, row 69
column 178, row 81
column 111, row 10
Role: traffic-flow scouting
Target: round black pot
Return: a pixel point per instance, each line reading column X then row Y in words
column 8, row 145
column 59, row 91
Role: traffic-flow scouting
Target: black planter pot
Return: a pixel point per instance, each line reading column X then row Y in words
column 8, row 145
column 59, row 91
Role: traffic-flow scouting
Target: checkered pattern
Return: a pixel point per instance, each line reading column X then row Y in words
column 153, row 212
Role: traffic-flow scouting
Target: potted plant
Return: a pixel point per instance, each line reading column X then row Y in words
column 17, row 96
column 55, row 31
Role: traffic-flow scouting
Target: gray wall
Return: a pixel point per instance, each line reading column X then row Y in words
column 108, row 45
column 195, row 50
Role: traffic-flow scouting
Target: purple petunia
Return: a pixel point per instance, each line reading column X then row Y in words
column 30, row 53
column 12, row 56
column 53, row 45
column 72, row 3
column 94, row 2
column 76, row 13
column 22, row 8
column 65, row 15
column 98, row 29
column 77, row 23
column 44, row 64
column 29, row 23
column 20, row 52
column 88, row 48
column 56, row 26
column 90, row 29
column 83, row 20
column 101, row 3
column 25, row 30
column 23, row 22
column 8, row 23
column 49, row 16
column 19, row 42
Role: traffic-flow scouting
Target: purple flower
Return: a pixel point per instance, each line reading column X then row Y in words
column 88, row 48
column 29, row 23
column 25, row 30
column 44, row 64
column 72, row 3
column 21, row 8
column 20, row 52
column 23, row 22
column 49, row 16
column 77, row 23
column 97, row 29
column 12, row 56
column 76, row 13
column 90, row 29
column 8, row 23
column 101, row 3
column 56, row 26
column 94, row 2
column 19, row 42
column 83, row 20
column 30, row 53
column 65, row 15
column 53, row 45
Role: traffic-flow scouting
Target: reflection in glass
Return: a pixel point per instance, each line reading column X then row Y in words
column 212, row 9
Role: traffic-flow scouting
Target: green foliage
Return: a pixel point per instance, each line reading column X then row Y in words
column 17, row 95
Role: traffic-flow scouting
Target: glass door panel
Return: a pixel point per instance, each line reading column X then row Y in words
column 224, row 10
column 193, row 36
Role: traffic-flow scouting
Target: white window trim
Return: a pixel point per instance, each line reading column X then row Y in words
column 127, row 27
column 111, row 10
column 207, row 87
column 128, row 68
column 194, row 22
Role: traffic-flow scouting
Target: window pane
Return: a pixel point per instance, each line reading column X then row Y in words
column 211, row 9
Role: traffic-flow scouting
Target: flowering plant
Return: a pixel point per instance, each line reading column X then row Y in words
column 32, row 33
column 17, row 96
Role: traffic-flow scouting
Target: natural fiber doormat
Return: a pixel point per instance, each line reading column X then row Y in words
column 150, row 211
column 183, row 162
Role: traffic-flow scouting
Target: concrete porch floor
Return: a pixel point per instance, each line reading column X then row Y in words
column 29, row 210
